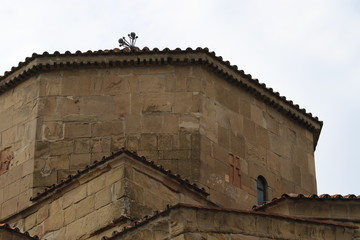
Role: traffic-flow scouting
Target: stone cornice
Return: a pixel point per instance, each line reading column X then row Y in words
column 45, row 62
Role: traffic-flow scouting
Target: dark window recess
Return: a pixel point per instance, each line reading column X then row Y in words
column 261, row 189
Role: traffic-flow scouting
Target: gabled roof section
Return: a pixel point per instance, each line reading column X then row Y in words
column 38, row 63
column 295, row 196
column 133, row 155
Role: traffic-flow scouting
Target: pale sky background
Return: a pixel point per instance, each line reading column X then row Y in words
column 308, row 50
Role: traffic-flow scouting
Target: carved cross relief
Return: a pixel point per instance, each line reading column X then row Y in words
column 235, row 177
column 6, row 155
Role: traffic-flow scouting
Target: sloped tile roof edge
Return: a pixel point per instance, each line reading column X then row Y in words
column 17, row 230
column 32, row 65
column 296, row 196
column 133, row 155
column 166, row 211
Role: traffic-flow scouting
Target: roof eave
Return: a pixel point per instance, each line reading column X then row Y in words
column 115, row 58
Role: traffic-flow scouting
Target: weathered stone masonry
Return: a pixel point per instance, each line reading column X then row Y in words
column 189, row 111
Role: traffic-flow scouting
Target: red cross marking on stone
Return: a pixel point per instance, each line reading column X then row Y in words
column 235, row 177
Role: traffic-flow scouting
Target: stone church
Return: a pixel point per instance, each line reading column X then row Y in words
column 158, row 144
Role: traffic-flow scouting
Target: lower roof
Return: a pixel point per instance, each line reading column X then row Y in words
column 158, row 214
column 297, row 196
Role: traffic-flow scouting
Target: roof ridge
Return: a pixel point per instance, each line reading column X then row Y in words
column 296, row 196
column 70, row 178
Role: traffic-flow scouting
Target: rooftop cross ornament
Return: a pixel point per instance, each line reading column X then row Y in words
column 131, row 43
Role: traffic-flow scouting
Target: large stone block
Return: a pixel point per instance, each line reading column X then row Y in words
column 132, row 124
column 148, row 142
column 9, row 207
column 117, row 142
column 100, row 145
column 273, row 162
column 79, row 161
column 107, row 128
column 75, row 84
column 136, row 101
column 257, row 115
column 61, row 147
column 249, row 130
column 151, row 123
column 286, row 169
column 47, row 106
column 170, row 123
column 157, row 102
column 77, row 130
column 257, row 154
column 69, row 214
column 67, row 106
column 238, row 145
column 103, row 197
column 72, row 230
column 183, row 102
column 272, row 123
column 116, row 84
column 41, row 148
column 122, row 104
column 52, row 131
column 133, row 143
column 262, row 136
column 50, row 84
column 97, row 105
column 76, row 195
column 165, row 142
column 81, row 145
column 227, row 98
column 152, row 83
column 193, row 84
column 85, row 206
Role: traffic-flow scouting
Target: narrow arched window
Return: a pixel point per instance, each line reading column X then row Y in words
column 261, row 189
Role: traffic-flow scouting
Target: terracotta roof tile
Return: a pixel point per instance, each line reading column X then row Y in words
column 146, row 50
column 296, row 196
column 134, row 155
column 16, row 230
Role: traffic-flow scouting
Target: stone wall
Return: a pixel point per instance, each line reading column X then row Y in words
column 183, row 117
column 242, row 136
column 84, row 207
column 87, row 114
column 102, row 199
column 167, row 113
column 18, row 112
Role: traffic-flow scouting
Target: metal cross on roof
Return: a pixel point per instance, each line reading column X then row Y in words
column 132, row 40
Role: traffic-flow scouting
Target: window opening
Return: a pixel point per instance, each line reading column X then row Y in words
column 261, row 189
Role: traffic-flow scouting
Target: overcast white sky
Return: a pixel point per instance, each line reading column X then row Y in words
column 308, row 50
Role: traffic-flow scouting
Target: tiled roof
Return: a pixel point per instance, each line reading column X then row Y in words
column 16, row 230
column 131, row 154
column 166, row 211
column 165, row 56
column 296, row 196
column 140, row 222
